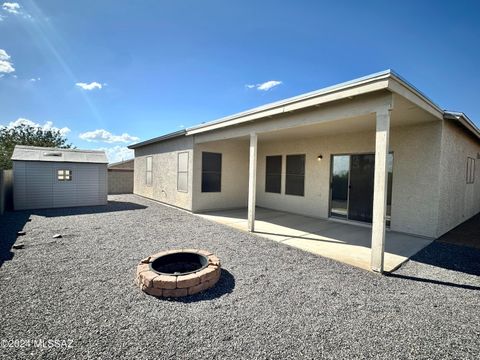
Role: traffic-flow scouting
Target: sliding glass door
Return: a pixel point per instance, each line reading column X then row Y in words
column 352, row 183
column 339, row 186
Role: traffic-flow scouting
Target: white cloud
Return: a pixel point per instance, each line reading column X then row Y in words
column 102, row 135
column 35, row 79
column 91, row 86
column 6, row 66
column 48, row 125
column 118, row 153
column 12, row 8
column 264, row 86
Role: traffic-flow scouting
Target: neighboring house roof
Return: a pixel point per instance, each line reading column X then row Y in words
column 34, row 153
column 125, row 164
column 384, row 80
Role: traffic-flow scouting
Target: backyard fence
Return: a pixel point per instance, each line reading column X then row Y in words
column 6, row 190
column 120, row 181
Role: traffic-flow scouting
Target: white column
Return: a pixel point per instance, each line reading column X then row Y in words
column 252, row 181
column 380, row 190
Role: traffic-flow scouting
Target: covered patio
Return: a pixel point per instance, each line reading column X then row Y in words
column 287, row 161
column 347, row 243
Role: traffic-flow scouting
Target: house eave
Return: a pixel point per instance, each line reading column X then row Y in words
column 171, row 135
column 363, row 85
column 463, row 120
column 386, row 80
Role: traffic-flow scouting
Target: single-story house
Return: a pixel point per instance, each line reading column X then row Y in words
column 372, row 150
column 51, row 178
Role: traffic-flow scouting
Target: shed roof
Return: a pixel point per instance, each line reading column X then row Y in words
column 34, row 153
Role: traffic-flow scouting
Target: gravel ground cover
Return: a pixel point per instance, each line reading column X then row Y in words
column 272, row 301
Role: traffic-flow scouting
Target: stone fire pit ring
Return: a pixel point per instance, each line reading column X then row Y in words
column 181, row 272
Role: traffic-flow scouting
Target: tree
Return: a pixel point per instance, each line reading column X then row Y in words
column 25, row 134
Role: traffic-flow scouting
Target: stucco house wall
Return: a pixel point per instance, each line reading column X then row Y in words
column 234, row 183
column 415, row 199
column 164, row 171
column 429, row 192
column 458, row 200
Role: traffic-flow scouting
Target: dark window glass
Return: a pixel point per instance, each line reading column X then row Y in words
column 273, row 177
column 295, row 175
column 211, row 172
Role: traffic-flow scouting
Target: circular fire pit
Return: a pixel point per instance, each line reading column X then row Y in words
column 176, row 273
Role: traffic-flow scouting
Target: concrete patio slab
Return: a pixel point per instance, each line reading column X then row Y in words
column 347, row 243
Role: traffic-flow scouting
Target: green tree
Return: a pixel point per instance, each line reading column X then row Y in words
column 25, row 134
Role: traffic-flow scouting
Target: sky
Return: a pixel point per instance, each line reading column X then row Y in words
column 112, row 73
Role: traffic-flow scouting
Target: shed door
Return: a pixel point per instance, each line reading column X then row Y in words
column 64, row 192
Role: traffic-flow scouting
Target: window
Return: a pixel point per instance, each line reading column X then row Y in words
column 211, row 172
column 182, row 172
column 148, row 170
column 64, row 175
column 470, row 170
column 295, row 176
column 273, row 176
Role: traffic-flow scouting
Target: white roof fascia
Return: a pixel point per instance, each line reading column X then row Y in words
column 464, row 120
column 400, row 86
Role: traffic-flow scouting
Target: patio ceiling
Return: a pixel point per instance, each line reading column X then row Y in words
column 405, row 113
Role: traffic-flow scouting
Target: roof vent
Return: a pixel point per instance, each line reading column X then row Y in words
column 52, row 154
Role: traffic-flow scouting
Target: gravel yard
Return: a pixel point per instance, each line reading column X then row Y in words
column 272, row 301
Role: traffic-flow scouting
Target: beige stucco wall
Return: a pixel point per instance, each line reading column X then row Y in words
column 458, row 200
column 415, row 174
column 234, row 189
column 164, row 172
column 416, row 185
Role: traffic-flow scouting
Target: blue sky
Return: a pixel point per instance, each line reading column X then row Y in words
column 112, row 72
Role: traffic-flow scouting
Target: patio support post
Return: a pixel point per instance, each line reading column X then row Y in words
column 380, row 189
column 252, row 181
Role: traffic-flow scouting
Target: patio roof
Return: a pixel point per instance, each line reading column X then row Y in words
column 384, row 80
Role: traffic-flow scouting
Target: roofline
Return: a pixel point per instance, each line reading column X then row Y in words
column 382, row 75
column 58, row 149
column 383, row 78
column 63, row 162
column 462, row 119
column 171, row 135
column 330, row 89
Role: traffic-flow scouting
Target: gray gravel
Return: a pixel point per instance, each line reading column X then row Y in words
column 272, row 302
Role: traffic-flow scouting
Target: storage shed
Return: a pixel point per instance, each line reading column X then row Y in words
column 52, row 178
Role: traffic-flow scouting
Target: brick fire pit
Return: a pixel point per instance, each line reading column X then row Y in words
column 175, row 273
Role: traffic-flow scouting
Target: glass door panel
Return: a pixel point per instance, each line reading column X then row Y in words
column 339, row 186
column 360, row 204
column 352, row 185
